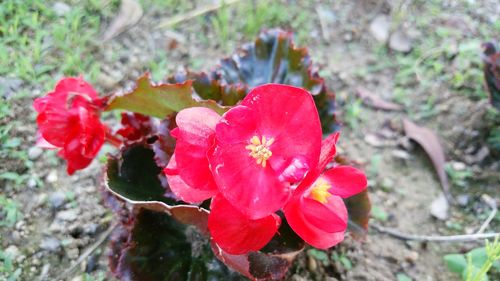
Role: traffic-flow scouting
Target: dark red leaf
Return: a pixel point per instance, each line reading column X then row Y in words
column 491, row 58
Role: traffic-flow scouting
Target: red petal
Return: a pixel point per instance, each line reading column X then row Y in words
column 76, row 85
column 196, row 125
column 330, row 217
column 238, row 125
column 234, row 232
column 254, row 189
column 181, row 189
column 346, row 181
column 314, row 236
column 43, row 143
column 72, row 153
column 328, row 151
column 289, row 115
column 91, row 134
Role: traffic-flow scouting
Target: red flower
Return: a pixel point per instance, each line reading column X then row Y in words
column 316, row 211
column 188, row 172
column 237, row 234
column 68, row 118
column 269, row 141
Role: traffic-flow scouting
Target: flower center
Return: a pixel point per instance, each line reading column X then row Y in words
column 259, row 149
column 319, row 191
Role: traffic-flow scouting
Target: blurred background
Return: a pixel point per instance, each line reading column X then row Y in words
column 424, row 56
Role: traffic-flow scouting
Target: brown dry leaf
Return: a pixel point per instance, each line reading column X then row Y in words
column 129, row 14
column 429, row 141
column 375, row 101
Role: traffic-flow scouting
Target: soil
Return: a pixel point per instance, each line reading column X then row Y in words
column 65, row 216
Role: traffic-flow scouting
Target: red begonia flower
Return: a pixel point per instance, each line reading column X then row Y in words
column 234, row 232
column 269, row 141
column 316, row 211
column 68, row 118
column 188, row 172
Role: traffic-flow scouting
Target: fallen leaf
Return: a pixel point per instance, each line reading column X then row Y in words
column 375, row 101
column 440, row 207
column 429, row 141
column 129, row 14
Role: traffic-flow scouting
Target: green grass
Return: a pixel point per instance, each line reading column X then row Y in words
column 36, row 44
column 8, row 271
column 9, row 212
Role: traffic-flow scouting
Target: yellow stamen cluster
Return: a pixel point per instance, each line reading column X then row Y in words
column 319, row 191
column 259, row 149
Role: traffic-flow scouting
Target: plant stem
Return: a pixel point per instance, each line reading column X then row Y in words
column 434, row 238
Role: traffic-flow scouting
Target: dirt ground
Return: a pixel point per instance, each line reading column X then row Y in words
column 62, row 215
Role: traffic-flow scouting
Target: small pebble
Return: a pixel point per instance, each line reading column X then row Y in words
column 52, row 176
column 72, row 253
column 67, row 215
column 57, row 199
column 312, row 265
column 412, row 257
column 34, row 152
column 50, row 244
column 12, row 251
column 463, row 199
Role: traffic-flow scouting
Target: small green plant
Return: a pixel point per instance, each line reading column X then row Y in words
column 352, row 114
column 7, row 270
column 9, row 213
column 475, row 265
column 222, row 26
column 458, row 177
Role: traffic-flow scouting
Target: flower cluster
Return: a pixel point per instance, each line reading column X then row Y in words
column 263, row 156
column 68, row 120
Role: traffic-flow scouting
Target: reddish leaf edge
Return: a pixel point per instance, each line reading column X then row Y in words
column 146, row 78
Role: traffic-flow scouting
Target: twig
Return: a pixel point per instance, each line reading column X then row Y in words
column 89, row 251
column 434, row 238
column 194, row 13
column 493, row 205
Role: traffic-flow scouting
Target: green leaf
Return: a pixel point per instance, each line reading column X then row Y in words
column 156, row 247
column 379, row 214
column 159, row 100
column 456, row 263
column 478, row 256
column 317, row 254
column 474, row 271
column 346, row 262
column 134, row 176
column 403, row 277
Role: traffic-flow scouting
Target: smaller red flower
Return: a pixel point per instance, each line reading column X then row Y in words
column 316, row 211
column 234, row 232
column 68, row 119
column 188, row 172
